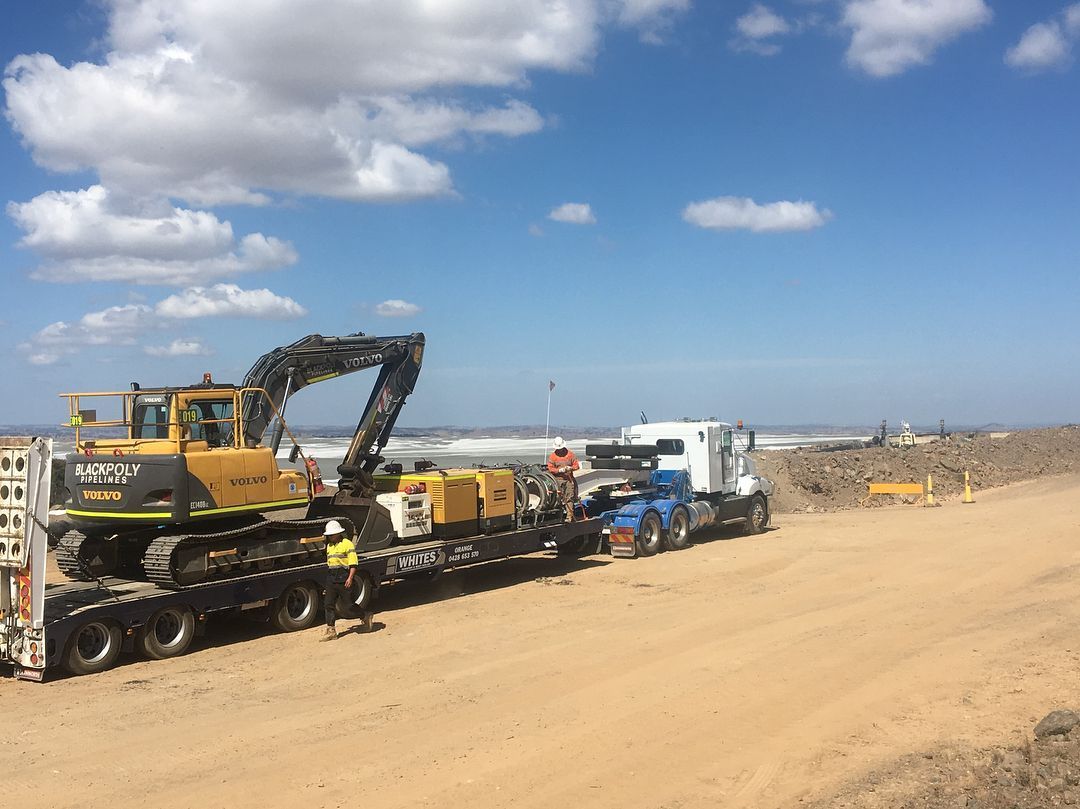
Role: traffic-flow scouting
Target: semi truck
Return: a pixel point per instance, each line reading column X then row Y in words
column 176, row 512
column 680, row 477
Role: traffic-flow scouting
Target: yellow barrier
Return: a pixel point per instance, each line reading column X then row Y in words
column 900, row 488
column 967, row 489
column 896, row 488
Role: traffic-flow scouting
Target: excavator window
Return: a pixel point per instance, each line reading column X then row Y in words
column 150, row 420
column 212, row 421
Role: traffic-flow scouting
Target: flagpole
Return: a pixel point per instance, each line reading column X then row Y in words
column 547, row 423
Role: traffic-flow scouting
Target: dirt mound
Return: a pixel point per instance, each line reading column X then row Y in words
column 1032, row 774
column 828, row 480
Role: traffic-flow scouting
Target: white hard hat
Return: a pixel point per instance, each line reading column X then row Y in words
column 558, row 443
column 333, row 527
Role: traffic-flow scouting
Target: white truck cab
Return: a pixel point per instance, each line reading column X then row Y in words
column 708, row 449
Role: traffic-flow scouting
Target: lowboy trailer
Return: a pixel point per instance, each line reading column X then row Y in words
column 84, row 627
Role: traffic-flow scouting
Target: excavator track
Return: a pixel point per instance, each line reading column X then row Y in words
column 68, row 556
column 179, row 561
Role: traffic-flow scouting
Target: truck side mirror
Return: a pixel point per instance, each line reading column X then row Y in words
column 293, row 453
column 752, row 438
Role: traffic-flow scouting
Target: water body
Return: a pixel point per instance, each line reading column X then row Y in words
column 450, row 452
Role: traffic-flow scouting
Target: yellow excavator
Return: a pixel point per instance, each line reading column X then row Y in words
column 181, row 488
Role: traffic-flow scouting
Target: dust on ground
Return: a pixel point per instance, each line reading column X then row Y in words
column 769, row 671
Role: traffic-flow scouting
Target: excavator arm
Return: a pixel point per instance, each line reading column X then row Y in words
column 285, row 370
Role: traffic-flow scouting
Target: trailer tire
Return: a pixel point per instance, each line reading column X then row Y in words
column 361, row 593
column 757, row 515
column 93, row 647
column 297, row 607
column 168, row 633
column 677, row 536
column 650, row 535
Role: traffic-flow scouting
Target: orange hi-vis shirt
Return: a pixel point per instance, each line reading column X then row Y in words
column 569, row 460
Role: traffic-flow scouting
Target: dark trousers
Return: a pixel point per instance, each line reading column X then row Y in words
column 335, row 588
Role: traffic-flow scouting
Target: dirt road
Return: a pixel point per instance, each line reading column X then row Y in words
column 741, row 673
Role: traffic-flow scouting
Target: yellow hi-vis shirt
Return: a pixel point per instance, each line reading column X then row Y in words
column 341, row 555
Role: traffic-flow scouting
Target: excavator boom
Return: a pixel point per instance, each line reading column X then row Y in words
column 288, row 369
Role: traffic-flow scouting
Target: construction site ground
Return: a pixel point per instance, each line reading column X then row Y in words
column 885, row 657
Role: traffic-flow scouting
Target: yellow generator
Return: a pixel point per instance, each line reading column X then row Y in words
column 495, row 489
column 454, row 505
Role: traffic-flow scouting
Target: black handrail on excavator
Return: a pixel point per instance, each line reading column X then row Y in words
column 288, row 369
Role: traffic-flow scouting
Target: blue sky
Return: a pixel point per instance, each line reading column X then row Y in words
column 791, row 212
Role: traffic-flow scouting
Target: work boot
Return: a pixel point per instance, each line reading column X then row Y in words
column 329, row 634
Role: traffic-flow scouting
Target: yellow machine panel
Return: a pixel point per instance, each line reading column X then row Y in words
column 496, row 491
column 455, row 510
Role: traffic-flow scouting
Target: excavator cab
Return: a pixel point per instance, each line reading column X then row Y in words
column 182, row 459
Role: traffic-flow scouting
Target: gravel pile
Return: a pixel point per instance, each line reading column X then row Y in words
column 1043, row 771
column 823, row 480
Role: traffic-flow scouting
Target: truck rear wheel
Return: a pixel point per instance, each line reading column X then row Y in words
column 677, row 535
column 757, row 515
column 93, row 647
column 649, row 535
column 168, row 633
column 297, row 607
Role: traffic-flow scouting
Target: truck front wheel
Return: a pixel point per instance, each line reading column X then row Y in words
column 93, row 647
column 649, row 535
column 677, row 536
column 757, row 515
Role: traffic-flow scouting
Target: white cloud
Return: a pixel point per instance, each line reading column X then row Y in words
column 890, row 36
column 134, row 323
column 574, row 213
column 179, row 348
column 742, row 213
column 1047, row 45
column 229, row 300
column 395, row 307
column 90, row 235
column 536, row 230
column 236, row 101
column 653, row 18
column 756, row 30
column 116, row 325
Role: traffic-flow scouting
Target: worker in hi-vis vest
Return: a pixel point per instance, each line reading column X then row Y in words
column 563, row 463
column 340, row 571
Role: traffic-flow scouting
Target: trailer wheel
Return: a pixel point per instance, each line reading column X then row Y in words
column 93, row 647
column 361, row 593
column 649, row 535
column 757, row 516
column 168, row 633
column 297, row 607
column 677, row 535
